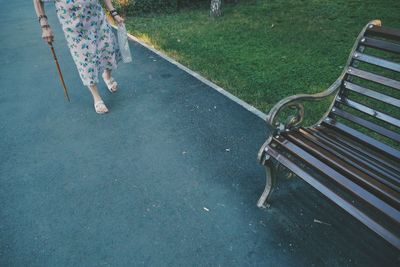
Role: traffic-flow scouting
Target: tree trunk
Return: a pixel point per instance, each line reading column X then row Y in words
column 216, row 6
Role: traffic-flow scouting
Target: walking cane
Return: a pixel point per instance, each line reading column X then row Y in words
column 59, row 72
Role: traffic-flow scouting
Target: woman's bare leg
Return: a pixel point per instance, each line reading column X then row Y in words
column 107, row 74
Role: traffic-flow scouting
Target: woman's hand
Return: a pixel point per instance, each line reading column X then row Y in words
column 118, row 19
column 47, row 35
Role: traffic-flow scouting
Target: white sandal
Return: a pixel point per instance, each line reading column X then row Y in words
column 98, row 106
column 111, row 84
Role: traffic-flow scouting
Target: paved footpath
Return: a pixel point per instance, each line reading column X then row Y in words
column 168, row 178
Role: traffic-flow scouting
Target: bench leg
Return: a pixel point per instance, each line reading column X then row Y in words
column 270, row 183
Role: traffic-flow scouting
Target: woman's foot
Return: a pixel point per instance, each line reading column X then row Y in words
column 100, row 107
column 111, row 84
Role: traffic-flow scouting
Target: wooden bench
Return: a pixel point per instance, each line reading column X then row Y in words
column 352, row 154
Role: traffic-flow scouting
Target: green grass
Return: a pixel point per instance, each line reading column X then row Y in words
column 262, row 51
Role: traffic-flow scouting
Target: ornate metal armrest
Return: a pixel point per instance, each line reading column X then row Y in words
column 294, row 102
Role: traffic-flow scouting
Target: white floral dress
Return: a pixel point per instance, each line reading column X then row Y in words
column 90, row 38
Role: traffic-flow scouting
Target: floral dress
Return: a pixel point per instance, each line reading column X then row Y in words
column 90, row 38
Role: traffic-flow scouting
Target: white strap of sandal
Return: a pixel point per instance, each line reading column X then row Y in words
column 110, row 82
column 98, row 103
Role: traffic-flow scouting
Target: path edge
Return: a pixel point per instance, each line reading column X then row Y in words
column 198, row 76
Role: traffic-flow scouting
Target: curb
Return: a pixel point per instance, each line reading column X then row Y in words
column 221, row 90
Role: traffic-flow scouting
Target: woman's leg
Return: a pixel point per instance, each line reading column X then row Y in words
column 100, row 108
column 107, row 74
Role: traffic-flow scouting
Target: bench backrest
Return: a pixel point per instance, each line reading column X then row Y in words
column 368, row 103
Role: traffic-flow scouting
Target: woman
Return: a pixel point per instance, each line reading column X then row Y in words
column 92, row 43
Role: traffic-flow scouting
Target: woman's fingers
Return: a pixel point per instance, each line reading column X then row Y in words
column 47, row 35
column 50, row 39
column 119, row 19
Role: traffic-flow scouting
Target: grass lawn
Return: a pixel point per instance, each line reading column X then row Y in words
column 264, row 50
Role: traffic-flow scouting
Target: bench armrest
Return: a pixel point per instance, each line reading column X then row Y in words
column 294, row 102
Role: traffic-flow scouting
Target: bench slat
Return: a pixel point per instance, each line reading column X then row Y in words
column 381, row 45
column 358, row 176
column 372, row 112
column 373, row 94
column 336, row 198
column 341, row 180
column 374, row 77
column 382, row 31
column 373, row 156
column 386, row 176
column 368, row 141
column 367, row 124
column 377, row 61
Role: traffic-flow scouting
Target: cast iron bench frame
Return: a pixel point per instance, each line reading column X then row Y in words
column 347, row 181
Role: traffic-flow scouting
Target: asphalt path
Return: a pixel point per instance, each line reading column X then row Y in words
column 168, row 178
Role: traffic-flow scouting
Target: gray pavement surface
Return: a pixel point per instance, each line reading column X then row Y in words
column 168, row 178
